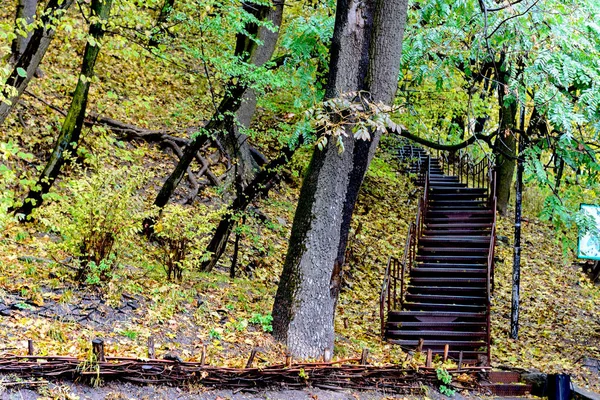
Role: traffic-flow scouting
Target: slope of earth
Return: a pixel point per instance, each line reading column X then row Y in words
column 560, row 318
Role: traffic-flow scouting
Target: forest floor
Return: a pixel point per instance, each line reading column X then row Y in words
column 39, row 299
column 127, row 391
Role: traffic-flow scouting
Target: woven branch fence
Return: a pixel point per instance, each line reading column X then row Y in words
column 333, row 376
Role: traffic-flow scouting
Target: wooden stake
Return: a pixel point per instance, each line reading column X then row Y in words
column 29, row 347
column 460, row 357
column 364, row 357
column 251, row 359
column 327, row 356
column 446, row 348
column 98, row 349
column 420, row 345
column 288, row 359
column 429, row 358
column 151, row 353
column 203, row 356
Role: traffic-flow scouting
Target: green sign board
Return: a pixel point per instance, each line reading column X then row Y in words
column 589, row 244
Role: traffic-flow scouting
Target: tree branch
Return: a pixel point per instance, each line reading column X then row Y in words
column 449, row 147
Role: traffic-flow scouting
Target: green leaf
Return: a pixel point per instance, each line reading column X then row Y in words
column 21, row 72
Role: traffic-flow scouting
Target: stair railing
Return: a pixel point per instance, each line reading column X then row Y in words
column 474, row 174
column 491, row 253
column 395, row 274
column 397, row 271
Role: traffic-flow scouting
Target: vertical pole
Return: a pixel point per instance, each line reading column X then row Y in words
column 98, row 349
column 151, row 353
column 516, row 278
column 29, row 347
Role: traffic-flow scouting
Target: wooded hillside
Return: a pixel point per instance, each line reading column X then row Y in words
column 222, row 174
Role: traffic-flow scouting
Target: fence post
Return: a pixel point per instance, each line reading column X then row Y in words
column 98, row 349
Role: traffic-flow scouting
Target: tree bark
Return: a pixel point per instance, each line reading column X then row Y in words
column 30, row 59
column 365, row 56
column 506, row 143
column 235, row 141
column 71, row 128
column 24, row 16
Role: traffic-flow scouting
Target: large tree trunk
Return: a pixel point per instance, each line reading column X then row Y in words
column 365, row 56
column 24, row 16
column 71, row 128
column 30, row 59
column 506, row 144
column 234, row 140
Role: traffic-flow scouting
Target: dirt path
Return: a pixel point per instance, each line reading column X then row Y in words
column 127, row 391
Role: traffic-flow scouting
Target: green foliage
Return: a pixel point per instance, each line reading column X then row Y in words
column 183, row 234
column 95, row 274
column 265, row 321
column 446, row 379
column 97, row 216
column 130, row 334
column 215, row 335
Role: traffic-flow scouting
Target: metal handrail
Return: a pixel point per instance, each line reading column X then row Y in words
column 384, row 295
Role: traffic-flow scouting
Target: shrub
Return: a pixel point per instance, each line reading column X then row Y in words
column 182, row 233
column 97, row 216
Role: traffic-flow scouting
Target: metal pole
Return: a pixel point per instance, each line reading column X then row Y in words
column 516, row 278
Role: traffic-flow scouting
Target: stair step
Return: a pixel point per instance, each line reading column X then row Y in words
column 504, row 376
column 454, row 239
column 457, row 232
column 395, row 315
column 446, row 289
column 455, row 196
column 459, row 225
column 445, row 258
column 441, row 325
column 507, row 389
column 452, row 189
column 450, row 265
column 462, row 250
column 457, row 207
column 450, row 343
column 443, row 307
column 425, row 280
column 425, row 333
column 446, row 299
column 473, row 203
column 458, row 271
column 451, row 219
column 437, row 211
column 441, row 179
column 446, row 184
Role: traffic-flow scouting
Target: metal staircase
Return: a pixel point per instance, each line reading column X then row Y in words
column 438, row 296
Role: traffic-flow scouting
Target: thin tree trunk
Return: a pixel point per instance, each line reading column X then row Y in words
column 30, row 59
column 24, row 16
column 365, row 56
column 260, row 185
column 71, row 128
column 506, row 143
column 161, row 29
column 516, row 278
column 222, row 120
column 233, row 138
